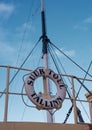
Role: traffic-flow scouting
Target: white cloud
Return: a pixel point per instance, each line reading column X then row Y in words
column 7, row 53
column 6, row 10
column 70, row 53
column 4, row 48
column 25, row 26
column 23, row 31
column 81, row 27
column 88, row 20
column 84, row 24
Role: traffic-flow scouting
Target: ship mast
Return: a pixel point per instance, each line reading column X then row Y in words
column 45, row 41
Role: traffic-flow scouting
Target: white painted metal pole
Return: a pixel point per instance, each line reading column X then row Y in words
column 49, row 113
column 90, row 107
column 42, row 5
column 89, row 99
column 6, row 98
column 74, row 102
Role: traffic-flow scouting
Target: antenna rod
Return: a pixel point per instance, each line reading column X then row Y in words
column 44, row 37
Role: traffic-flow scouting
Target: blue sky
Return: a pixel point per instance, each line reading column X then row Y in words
column 69, row 26
column 68, row 23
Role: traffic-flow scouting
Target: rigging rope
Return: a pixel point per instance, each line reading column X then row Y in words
column 23, row 97
column 21, row 65
column 78, row 111
column 23, row 37
column 54, row 53
column 24, row 100
column 70, row 110
column 84, row 78
column 69, row 58
column 60, row 62
column 53, row 58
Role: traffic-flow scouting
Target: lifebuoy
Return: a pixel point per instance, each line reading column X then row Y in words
column 43, row 103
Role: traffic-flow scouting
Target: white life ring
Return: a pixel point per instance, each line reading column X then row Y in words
column 40, row 102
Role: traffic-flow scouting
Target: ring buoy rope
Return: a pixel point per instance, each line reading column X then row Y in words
column 41, row 102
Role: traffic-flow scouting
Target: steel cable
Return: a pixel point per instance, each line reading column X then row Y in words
column 70, row 58
column 21, row 65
